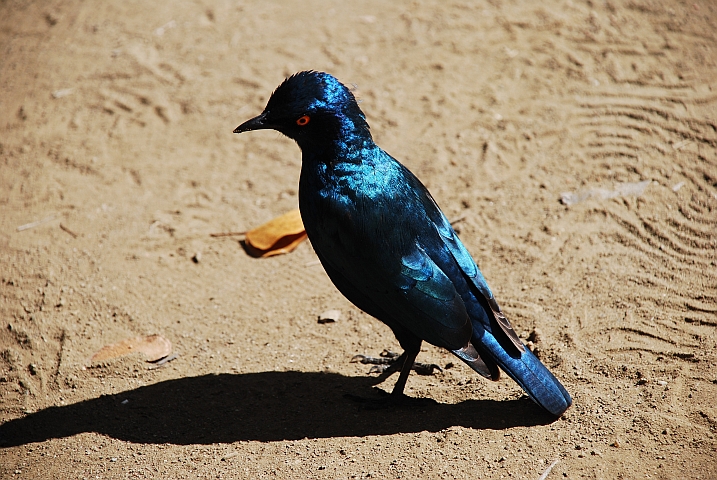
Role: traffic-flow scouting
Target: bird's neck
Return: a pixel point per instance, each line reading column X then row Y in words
column 345, row 139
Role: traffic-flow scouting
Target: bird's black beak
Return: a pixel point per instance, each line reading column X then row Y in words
column 256, row 123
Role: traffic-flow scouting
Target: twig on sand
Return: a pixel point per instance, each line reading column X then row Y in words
column 547, row 470
column 459, row 219
column 64, row 228
column 30, row 225
column 226, row 234
column 163, row 361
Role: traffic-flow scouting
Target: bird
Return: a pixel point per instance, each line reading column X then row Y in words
column 387, row 246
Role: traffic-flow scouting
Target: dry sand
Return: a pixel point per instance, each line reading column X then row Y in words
column 116, row 130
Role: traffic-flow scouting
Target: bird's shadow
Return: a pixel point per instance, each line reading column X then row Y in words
column 266, row 406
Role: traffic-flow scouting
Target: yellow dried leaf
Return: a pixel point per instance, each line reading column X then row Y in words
column 153, row 347
column 280, row 235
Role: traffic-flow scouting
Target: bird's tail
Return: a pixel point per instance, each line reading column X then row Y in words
column 522, row 366
column 529, row 372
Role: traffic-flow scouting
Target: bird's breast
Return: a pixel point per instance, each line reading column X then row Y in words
column 356, row 204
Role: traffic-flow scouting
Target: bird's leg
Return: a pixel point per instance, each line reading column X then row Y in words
column 410, row 358
column 404, row 363
column 390, row 362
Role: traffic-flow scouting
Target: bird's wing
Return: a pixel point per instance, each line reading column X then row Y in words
column 464, row 259
column 429, row 289
column 404, row 286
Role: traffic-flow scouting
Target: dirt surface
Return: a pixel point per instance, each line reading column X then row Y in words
column 116, row 137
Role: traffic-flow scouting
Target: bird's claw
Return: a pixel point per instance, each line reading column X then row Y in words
column 366, row 360
column 386, row 357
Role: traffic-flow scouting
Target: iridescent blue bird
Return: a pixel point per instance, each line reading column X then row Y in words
column 387, row 246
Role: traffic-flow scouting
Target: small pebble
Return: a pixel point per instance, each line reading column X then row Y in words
column 661, row 383
column 330, row 316
column 197, row 257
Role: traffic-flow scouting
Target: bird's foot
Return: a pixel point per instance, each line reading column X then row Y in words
column 387, row 357
column 388, row 363
column 389, row 400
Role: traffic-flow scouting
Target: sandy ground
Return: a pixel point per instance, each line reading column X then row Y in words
column 116, row 131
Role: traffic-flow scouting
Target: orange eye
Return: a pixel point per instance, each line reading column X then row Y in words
column 303, row 120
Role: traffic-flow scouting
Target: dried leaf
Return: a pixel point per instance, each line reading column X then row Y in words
column 280, row 235
column 268, row 234
column 153, row 347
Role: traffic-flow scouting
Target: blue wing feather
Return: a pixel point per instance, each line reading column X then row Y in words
column 494, row 339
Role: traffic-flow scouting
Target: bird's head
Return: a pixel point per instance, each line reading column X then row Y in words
column 310, row 107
